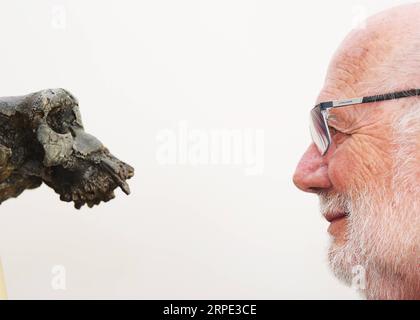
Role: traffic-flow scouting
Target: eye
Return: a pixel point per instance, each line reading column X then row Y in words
column 60, row 119
column 337, row 136
column 333, row 131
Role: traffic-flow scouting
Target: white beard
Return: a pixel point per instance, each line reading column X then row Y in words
column 382, row 239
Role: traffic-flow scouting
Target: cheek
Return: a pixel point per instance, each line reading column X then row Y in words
column 360, row 161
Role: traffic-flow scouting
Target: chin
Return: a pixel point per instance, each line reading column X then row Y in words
column 371, row 264
column 341, row 260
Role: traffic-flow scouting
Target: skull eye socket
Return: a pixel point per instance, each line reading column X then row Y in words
column 60, row 119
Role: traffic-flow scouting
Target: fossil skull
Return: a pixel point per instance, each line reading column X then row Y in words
column 42, row 139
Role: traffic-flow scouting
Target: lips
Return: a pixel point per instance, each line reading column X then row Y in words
column 333, row 216
column 338, row 225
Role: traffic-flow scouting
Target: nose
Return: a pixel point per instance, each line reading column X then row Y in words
column 311, row 174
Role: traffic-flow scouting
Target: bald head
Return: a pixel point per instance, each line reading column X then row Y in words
column 368, row 181
column 383, row 56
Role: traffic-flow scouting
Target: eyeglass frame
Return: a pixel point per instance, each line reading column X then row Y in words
column 324, row 107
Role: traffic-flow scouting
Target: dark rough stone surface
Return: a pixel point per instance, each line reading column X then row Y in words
column 42, row 139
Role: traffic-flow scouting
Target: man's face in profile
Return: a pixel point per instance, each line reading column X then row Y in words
column 368, row 181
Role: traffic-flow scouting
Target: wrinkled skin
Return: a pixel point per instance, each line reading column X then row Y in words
column 42, row 140
column 362, row 165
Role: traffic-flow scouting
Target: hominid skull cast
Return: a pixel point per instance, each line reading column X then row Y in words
column 42, row 140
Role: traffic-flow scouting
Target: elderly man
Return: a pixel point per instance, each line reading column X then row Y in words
column 364, row 163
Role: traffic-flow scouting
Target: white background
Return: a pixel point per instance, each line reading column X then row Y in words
column 140, row 67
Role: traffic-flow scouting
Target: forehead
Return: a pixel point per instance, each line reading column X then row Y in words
column 367, row 63
column 356, row 71
column 381, row 57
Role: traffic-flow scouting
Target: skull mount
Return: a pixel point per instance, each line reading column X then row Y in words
column 42, row 139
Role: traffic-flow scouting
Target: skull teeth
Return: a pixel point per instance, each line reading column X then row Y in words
column 116, row 176
column 122, row 184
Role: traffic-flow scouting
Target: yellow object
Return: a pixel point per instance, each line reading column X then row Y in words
column 3, row 293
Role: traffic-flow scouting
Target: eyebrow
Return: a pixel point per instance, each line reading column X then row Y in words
column 382, row 97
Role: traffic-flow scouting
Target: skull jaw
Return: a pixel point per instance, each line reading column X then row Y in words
column 88, row 182
column 83, row 182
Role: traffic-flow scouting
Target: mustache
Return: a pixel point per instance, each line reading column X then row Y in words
column 334, row 202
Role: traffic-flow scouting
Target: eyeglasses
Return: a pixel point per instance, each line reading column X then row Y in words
column 319, row 115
